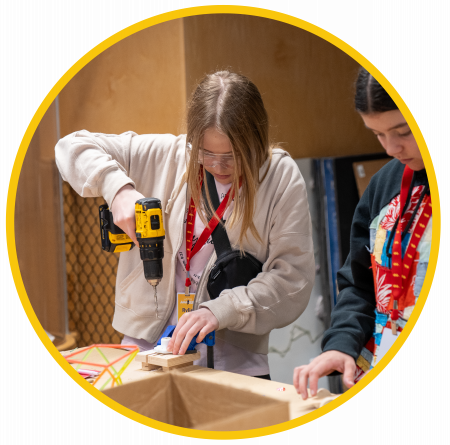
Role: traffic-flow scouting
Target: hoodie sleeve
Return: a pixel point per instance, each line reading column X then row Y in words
column 353, row 317
column 101, row 164
column 95, row 164
column 280, row 293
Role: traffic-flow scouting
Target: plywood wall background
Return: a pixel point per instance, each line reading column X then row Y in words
column 38, row 227
column 142, row 84
column 306, row 83
column 138, row 84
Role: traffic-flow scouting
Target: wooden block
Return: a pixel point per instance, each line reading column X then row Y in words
column 142, row 356
column 147, row 367
column 183, row 365
column 169, row 360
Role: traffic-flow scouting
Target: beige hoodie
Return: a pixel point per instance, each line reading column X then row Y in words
column 100, row 164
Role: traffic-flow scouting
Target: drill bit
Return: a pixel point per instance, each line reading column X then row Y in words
column 156, row 300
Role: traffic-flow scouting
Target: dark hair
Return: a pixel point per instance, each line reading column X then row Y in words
column 370, row 96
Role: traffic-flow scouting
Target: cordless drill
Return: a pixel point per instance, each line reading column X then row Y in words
column 149, row 232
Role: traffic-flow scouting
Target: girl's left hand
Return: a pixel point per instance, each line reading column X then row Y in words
column 201, row 322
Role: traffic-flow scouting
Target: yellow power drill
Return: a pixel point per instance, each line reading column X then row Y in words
column 149, row 232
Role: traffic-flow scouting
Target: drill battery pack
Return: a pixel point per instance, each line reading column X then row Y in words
column 114, row 239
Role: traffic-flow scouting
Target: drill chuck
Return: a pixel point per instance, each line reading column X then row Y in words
column 152, row 254
column 150, row 234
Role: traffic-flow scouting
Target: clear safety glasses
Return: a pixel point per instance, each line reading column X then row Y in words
column 209, row 159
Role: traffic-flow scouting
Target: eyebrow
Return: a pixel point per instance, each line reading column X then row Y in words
column 402, row 124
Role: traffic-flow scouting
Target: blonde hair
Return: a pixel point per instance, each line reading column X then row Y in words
column 232, row 104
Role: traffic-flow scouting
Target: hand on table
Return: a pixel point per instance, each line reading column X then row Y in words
column 201, row 322
column 324, row 364
column 123, row 210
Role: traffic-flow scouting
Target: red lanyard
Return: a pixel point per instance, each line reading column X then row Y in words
column 190, row 223
column 401, row 267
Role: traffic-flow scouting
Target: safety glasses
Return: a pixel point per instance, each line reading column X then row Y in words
column 208, row 159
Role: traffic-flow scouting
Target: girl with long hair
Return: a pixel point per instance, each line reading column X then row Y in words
column 266, row 216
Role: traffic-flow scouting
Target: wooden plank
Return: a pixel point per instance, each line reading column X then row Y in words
column 182, row 365
column 166, row 360
column 169, row 360
column 147, row 367
column 142, row 356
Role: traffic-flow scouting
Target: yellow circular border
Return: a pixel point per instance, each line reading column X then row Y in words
column 202, row 10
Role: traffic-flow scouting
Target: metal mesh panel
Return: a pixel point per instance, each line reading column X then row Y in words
column 91, row 272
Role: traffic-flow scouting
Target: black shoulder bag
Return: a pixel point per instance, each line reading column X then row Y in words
column 231, row 268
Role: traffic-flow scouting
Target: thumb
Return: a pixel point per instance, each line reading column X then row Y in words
column 349, row 373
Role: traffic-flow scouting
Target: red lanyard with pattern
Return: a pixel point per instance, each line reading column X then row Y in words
column 190, row 223
column 401, row 267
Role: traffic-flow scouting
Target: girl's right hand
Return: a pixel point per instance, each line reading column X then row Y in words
column 123, row 210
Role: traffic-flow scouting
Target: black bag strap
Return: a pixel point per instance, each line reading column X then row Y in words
column 220, row 238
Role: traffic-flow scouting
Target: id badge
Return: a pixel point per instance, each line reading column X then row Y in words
column 185, row 303
column 387, row 340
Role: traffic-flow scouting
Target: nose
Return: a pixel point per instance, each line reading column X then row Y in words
column 393, row 145
column 218, row 167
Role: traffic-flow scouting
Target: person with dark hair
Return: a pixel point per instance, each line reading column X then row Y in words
column 389, row 250
column 265, row 214
column 370, row 96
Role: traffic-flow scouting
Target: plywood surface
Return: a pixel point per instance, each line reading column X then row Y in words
column 38, row 229
column 306, row 82
column 166, row 360
column 138, row 84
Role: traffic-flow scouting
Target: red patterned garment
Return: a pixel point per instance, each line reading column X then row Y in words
column 382, row 227
column 393, row 211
